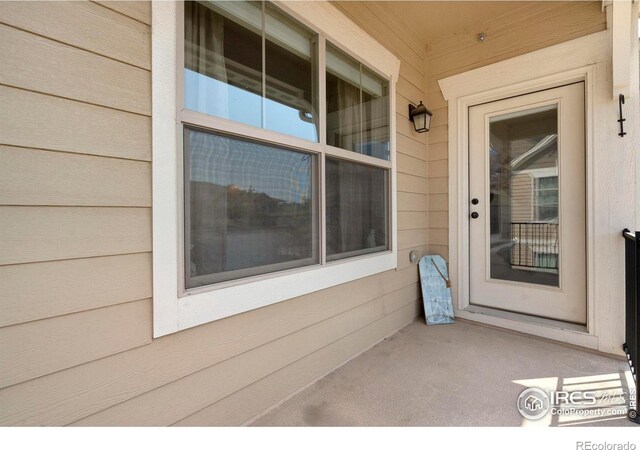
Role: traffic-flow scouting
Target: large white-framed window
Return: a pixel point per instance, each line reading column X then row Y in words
column 273, row 156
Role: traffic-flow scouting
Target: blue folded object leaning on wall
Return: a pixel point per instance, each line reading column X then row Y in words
column 436, row 290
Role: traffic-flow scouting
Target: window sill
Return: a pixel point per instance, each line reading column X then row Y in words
column 203, row 306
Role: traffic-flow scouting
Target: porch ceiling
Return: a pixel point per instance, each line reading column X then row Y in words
column 432, row 21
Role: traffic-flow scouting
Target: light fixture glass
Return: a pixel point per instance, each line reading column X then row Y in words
column 421, row 117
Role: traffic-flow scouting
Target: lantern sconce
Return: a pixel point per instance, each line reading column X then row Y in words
column 420, row 116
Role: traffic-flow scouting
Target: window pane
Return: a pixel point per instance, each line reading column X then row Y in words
column 375, row 105
column 524, row 204
column 547, row 213
column 249, row 208
column 546, row 199
column 357, row 106
column 223, row 60
column 225, row 68
column 357, row 209
column 343, row 101
column 291, row 81
column 548, row 183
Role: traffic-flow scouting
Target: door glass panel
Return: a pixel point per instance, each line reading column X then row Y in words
column 524, row 196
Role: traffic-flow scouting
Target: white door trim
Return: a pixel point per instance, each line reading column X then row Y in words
column 582, row 59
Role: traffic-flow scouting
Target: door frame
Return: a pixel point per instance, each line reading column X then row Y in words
column 565, row 300
column 573, row 61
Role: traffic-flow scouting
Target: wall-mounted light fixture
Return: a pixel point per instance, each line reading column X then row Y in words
column 420, row 116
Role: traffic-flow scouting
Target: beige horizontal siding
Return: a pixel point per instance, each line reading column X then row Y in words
column 84, row 25
column 30, row 119
column 33, row 349
column 411, row 166
column 243, row 405
column 409, row 89
column 28, row 61
column 75, row 216
column 408, row 239
column 408, row 201
column 411, row 147
column 439, row 236
column 31, row 234
column 438, row 185
column 221, row 380
column 438, row 219
column 42, row 290
column 438, row 134
column 438, row 151
column 414, row 220
column 412, row 183
column 437, row 169
column 536, row 25
column 67, row 179
column 402, row 109
column 438, row 202
column 69, row 395
column 139, row 10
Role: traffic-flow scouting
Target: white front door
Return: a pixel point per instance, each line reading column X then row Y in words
column 527, row 204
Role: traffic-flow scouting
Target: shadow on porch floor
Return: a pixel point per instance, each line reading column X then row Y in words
column 452, row 375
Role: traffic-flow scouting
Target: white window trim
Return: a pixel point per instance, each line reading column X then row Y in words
column 172, row 312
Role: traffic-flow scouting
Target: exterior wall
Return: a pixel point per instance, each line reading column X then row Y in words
column 522, row 195
column 535, row 26
column 76, row 341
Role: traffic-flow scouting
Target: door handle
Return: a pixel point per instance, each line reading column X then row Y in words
column 475, row 215
column 475, row 201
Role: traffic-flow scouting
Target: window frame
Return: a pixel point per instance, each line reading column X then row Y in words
column 536, row 194
column 292, row 264
column 176, row 308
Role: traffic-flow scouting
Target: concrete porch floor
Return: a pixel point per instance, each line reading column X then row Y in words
column 450, row 375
